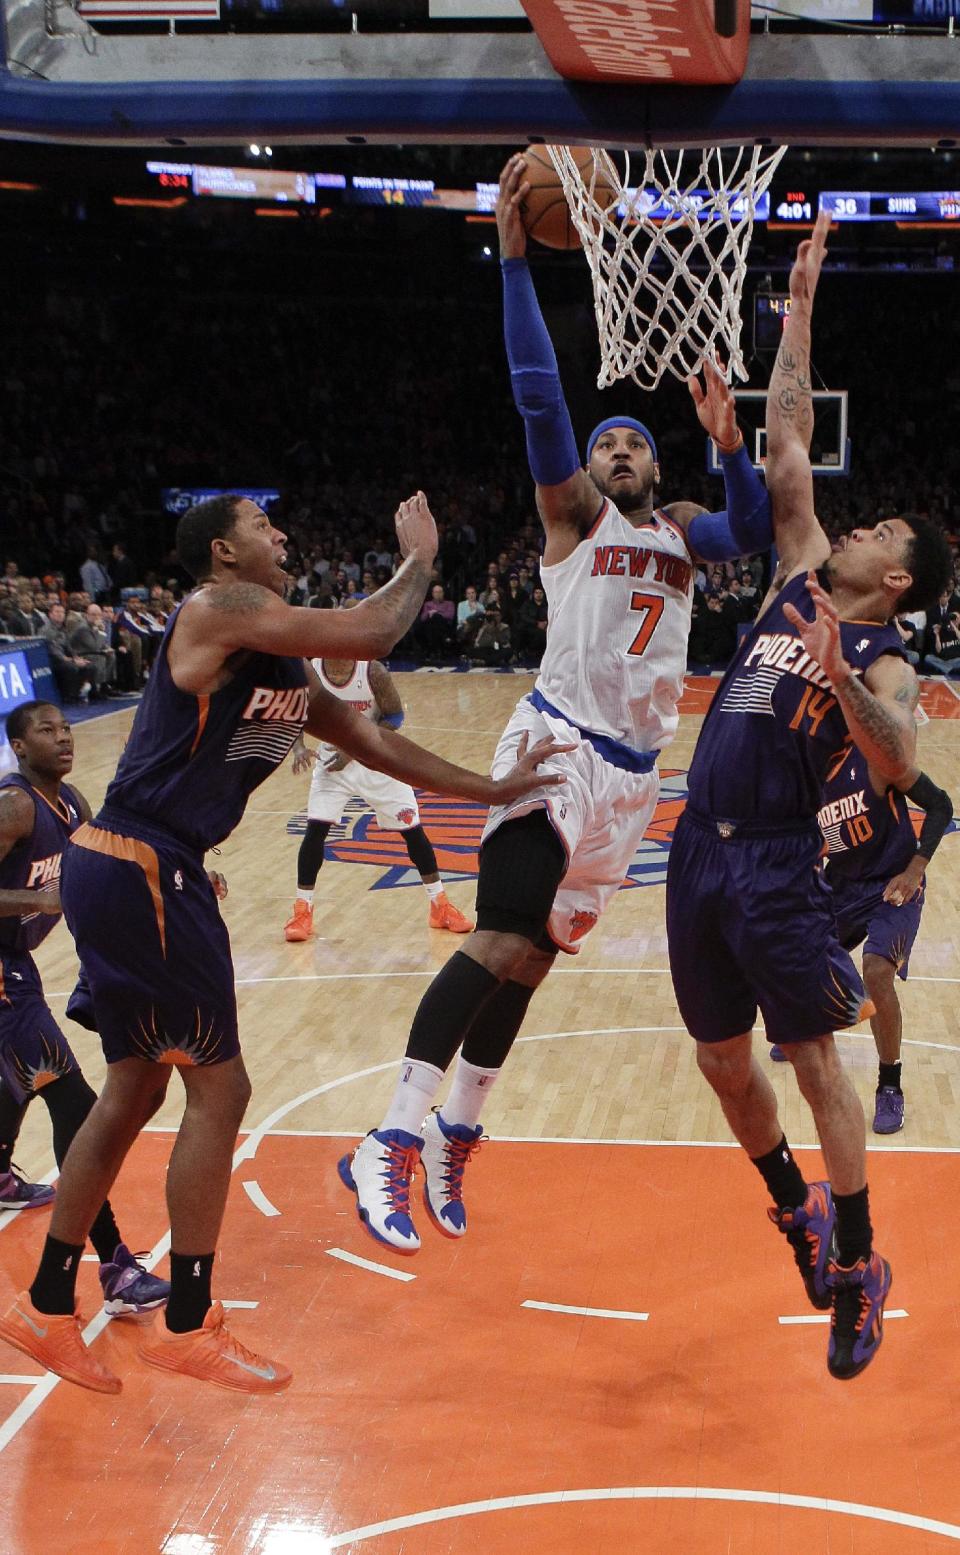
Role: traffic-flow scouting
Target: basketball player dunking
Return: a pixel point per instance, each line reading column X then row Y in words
column 228, row 695
column 749, row 918
column 618, row 574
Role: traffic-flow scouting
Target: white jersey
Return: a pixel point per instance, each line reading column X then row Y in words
column 620, row 610
column 357, row 691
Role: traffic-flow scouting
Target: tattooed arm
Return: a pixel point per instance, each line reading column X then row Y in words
column 230, row 616
column 798, row 536
column 879, row 708
column 879, row 712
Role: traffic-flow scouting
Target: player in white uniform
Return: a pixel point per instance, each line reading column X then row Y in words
column 618, row 574
column 367, row 687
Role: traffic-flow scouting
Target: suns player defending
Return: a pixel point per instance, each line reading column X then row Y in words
column 749, row 919
column 370, row 691
column 38, row 814
column 876, row 868
column 618, row 574
column 228, row 695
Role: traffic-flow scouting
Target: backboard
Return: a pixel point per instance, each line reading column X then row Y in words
column 830, row 448
column 63, row 80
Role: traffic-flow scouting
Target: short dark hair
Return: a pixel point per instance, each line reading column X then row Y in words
column 18, row 722
column 929, row 562
column 199, row 527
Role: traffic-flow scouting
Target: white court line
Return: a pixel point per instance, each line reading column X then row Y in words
column 13, row 1380
column 430, row 972
column 367, row 1263
column 880, row 1514
column 824, row 1317
column 257, row 1196
column 553, row 1306
column 565, row 1139
column 246, row 1306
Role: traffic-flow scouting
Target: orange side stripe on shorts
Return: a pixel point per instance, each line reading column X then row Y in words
column 134, row 852
column 203, row 713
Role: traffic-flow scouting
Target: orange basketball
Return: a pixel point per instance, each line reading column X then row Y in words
column 545, row 212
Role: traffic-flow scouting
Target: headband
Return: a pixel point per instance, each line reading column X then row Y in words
column 620, row 421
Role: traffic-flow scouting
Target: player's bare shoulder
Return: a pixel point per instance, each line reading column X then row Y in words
column 238, row 598
column 894, row 679
column 17, row 815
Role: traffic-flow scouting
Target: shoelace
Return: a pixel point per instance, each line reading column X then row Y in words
column 849, row 1297
column 233, row 1346
column 458, row 1152
column 399, row 1171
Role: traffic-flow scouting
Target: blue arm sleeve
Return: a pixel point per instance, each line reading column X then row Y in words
column 746, row 525
column 535, row 378
column 392, row 720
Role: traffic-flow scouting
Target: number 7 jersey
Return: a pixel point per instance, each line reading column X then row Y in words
column 620, row 609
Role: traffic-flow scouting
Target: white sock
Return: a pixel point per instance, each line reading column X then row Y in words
column 304, row 896
column 468, row 1093
column 433, row 888
column 417, row 1085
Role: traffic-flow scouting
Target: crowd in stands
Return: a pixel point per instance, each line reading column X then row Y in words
column 347, row 409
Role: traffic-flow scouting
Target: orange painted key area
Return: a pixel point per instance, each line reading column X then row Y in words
column 444, row 1391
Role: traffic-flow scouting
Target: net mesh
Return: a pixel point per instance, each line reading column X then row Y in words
column 666, row 238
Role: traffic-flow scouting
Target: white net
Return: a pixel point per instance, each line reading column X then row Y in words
column 667, row 246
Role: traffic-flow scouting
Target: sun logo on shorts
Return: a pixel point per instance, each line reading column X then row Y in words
column 455, row 827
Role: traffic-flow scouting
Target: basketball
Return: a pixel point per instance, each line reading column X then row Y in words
column 545, row 212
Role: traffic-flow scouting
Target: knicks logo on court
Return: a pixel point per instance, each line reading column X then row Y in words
column 455, row 827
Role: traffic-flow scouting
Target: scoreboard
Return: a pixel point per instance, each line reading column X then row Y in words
column 865, row 205
column 920, row 206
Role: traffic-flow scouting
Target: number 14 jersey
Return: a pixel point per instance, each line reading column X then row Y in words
column 620, row 608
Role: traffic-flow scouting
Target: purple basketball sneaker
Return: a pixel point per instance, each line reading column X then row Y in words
column 856, row 1328
column 810, row 1231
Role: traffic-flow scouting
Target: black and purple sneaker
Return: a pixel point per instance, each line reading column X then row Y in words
column 888, row 1110
column 810, row 1231
column 127, row 1287
column 856, row 1328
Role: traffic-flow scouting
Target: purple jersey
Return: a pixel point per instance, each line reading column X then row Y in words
column 192, row 762
column 775, row 729
column 33, row 864
column 868, row 836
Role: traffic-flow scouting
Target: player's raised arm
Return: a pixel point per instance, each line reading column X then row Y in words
column 878, row 706
column 567, row 499
column 798, row 536
column 234, row 616
column 745, row 525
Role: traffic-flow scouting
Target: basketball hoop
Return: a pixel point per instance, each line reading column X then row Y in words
column 667, row 254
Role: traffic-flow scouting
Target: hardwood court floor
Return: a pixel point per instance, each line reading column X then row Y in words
column 609, row 1185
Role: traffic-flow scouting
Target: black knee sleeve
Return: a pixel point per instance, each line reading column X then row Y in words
column 68, row 1101
column 521, row 867
column 420, row 849
column 310, row 857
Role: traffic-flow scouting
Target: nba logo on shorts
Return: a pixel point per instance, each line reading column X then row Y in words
column 177, row 881
column 581, row 923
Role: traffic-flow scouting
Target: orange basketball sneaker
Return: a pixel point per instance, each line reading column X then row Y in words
column 443, row 915
column 212, row 1354
column 56, row 1344
column 300, row 926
